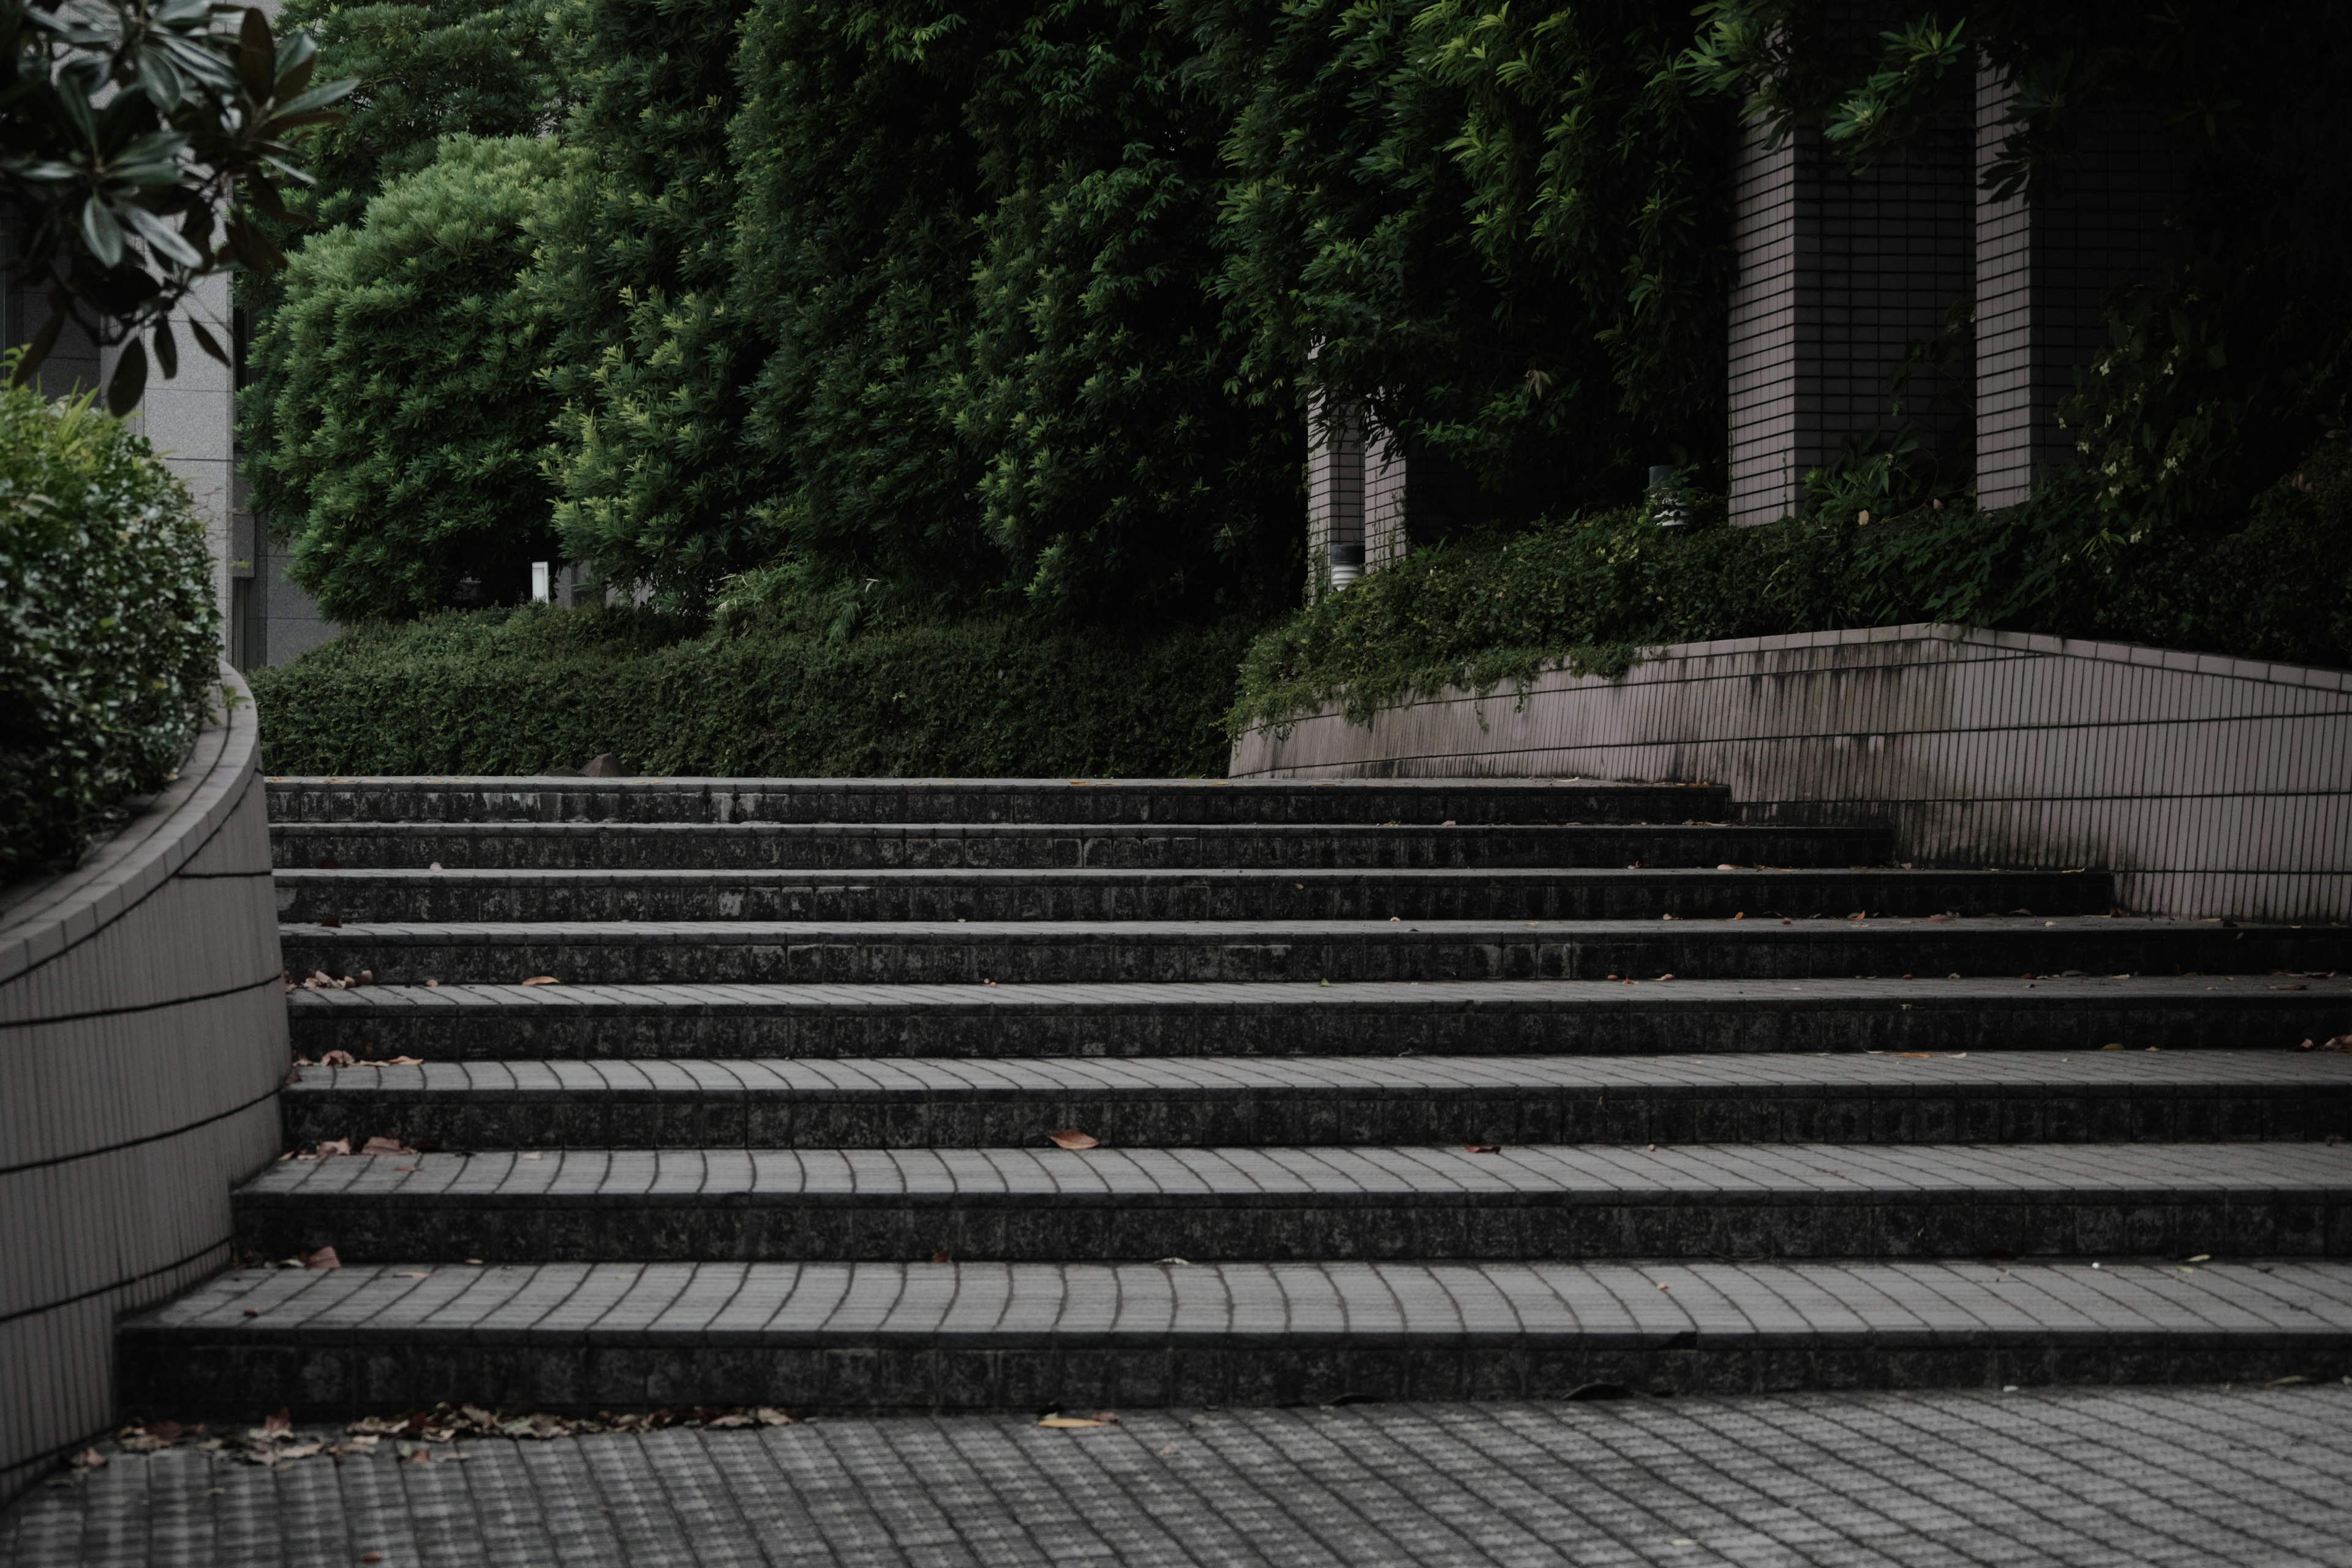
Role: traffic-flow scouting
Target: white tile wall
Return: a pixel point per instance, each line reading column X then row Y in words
column 2212, row 786
column 142, row 1037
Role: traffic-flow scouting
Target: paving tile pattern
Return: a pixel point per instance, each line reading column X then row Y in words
column 1225, row 894
column 2260, row 1479
column 1167, row 952
column 502, row 1022
column 1800, row 1200
column 577, row 846
column 929, row 1103
column 1052, row 801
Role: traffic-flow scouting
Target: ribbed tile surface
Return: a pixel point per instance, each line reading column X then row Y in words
column 2037, row 1097
column 1985, row 1013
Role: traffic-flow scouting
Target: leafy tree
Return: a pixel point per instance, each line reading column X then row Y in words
column 396, row 391
column 131, row 132
column 424, row 70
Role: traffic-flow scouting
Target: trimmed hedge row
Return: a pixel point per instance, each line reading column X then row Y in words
column 524, row 690
column 110, row 635
column 1594, row 590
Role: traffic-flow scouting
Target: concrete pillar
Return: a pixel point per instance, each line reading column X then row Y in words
column 1838, row 276
column 2043, row 272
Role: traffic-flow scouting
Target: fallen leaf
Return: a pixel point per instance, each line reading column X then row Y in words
column 331, row 1147
column 403, row 1061
column 414, row 1274
column 1068, row 1422
column 90, row 1459
column 385, row 1146
column 2113, row 1046
column 1939, row 920
column 435, row 983
column 2202, row 1257
column 339, row 1059
column 434, row 866
column 1071, row 1137
column 253, row 1311
column 542, row 980
column 1482, row 1148
column 1916, row 1055
column 323, row 1258
column 283, row 1421
column 333, row 922
column 942, row 1256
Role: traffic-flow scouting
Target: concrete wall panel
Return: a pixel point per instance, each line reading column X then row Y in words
column 143, row 1040
column 2213, row 786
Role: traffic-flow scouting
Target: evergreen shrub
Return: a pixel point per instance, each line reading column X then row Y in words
column 396, row 415
column 508, row 691
column 1594, row 590
column 110, row 635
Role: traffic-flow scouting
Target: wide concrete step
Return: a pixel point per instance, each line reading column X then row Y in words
column 974, row 953
column 835, row 846
column 1114, row 1204
column 718, row 800
column 485, row 1022
column 1248, row 1101
column 830, row 1337
column 396, row 896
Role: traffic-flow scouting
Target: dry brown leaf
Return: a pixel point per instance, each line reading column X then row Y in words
column 434, row 984
column 90, row 1459
column 323, row 1258
column 941, row 1256
column 403, row 1061
column 1071, row 1137
column 330, row 1147
column 1073, row 1422
column 385, row 1146
column 1916, row 1055
column 333, row 922
column 434, row 866
column 1482, row 1148
column 542, row 980
column 339, row 1059
column 282, row 1421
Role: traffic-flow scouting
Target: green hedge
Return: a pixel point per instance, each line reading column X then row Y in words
column 110, row 636
column 523, row 691
column 1594, row 590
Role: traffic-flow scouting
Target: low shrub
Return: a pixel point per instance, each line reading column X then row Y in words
column 109, row 634
column 1594, row 590
column 526, row 689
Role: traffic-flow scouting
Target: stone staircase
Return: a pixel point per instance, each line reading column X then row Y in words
column 1400, row 1089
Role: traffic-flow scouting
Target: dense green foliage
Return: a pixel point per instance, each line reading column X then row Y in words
column 500, row 691
column 425, row 69
column 110, row 637
column 145, row 147
column 397, row 415
column 1592, row 591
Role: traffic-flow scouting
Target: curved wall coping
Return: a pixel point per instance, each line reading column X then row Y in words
column 42, row 918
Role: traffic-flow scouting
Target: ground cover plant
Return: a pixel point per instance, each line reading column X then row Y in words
column 1594, row 590
column 110, row 635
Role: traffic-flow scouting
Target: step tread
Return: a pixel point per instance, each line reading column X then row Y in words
column 1821, row 1174
column 1617, row 1303
column 1257, row 997
column 1730, row 877
column 1165, row 932
column 886, row 1078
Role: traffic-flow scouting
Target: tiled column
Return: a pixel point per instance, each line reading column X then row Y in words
column 1838, row 276
column 1335, row 489
column 2043, row 272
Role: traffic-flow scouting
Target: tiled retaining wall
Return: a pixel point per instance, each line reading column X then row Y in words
column 143, row 1040
column 2212, row 786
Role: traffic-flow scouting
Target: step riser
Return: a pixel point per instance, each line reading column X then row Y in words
column 1690, row 951
column 1259, row 1118
column 323, row 1378
column 385, row 1227
column 489, row 1034
column 307, row 898
column 884, row 801
column 827, row 848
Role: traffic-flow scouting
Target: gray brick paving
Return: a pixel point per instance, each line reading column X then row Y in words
column 1061, row 953
column 1584, row 1017
column 925, row 1102
column 1214, row 894
column 1788, row 1201
column 2088, row 1479
column 865, row 846
column 1388, row 802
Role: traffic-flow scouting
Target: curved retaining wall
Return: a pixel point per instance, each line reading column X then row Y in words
column 143, row 1040
column 2212, row 786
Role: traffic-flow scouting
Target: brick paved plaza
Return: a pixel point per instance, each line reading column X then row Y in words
column 2191, row 1477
